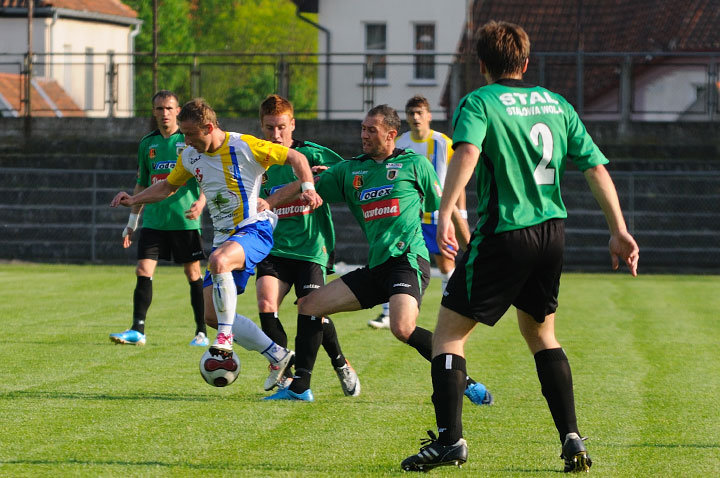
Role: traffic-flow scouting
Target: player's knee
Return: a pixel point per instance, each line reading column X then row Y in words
column 266, row 305
column 401, row 331
column 218, row 263
column 309, row 306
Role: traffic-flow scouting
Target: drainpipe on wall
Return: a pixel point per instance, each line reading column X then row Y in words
column 327, row 58
column 131, row 53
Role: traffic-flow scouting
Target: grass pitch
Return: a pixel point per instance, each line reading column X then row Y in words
column 645, row 355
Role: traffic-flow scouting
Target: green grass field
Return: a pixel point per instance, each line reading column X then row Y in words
column 645, row 355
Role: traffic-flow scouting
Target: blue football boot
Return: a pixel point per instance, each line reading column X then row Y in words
column 129, row 337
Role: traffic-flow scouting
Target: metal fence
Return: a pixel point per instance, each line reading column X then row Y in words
column 656, row 86
column 59, row 215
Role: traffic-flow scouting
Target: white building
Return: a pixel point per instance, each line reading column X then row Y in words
column 76, row 43
column 384, row 51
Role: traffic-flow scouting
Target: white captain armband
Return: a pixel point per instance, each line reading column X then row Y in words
column 463, row 213
column 307, row 185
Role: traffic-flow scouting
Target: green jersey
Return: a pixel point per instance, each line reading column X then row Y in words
column 525, row 135
column 157, row 156
column 387, row 199
column 301, row 233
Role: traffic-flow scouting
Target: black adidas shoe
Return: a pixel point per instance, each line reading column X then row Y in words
column 575, row 454
column 432, row 455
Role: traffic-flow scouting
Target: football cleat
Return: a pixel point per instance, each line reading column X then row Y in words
column 129, row 337
column 349, row 380
column 432, row 454
column 478, row 394
column 222, row 345
column 287, row 394
column 277, row 371
column 575, row 454
column 382, row 321
column 200, row 340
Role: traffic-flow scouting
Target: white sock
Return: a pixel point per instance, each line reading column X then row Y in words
column 275, row 353
column 249, row 336
column 386, row 309
column 445, row 279
column 224, row 301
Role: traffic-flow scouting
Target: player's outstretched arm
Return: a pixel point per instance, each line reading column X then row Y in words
column 622, row 245
column 302, row 171
column 458, row 174
column 155, row 193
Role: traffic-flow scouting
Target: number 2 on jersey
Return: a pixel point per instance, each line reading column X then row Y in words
column 543, row 173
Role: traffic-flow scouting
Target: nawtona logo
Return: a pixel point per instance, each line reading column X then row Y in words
column 381, row 209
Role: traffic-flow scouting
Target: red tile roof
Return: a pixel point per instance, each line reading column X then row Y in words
column 597, row 26
column 12, row 87
column 107, row 7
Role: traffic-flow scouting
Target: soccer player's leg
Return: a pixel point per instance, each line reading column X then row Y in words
column 448, row 371
column 331, row 298
column 227, row 257
column 187, row 250
column 310, row 276
column 150, row 246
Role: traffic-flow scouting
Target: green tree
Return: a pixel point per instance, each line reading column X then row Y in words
column 174, row 35
column 237, row 45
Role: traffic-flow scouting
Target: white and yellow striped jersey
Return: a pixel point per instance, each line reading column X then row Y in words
column 230, row 178
column 438, row 149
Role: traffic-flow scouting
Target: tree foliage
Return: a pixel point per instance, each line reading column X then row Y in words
column 228, row 51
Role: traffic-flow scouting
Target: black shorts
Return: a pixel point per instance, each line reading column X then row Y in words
column 306, row 276
column 181, row 246
column 406, row 274
column 520, row 268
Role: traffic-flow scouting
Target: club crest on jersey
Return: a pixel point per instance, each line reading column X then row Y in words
column 358, row 181
column 378, row 192
column 152, row 153
column 392, row 174
column 198, row 175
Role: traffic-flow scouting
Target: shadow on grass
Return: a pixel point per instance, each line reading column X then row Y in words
column 172, row 397
column 108, row 463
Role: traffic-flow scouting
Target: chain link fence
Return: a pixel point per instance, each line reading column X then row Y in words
column 63, row 215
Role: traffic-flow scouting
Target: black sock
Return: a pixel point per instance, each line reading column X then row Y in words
column 142, row 297
column 198, row 305
column 331, row 344
column 271, row 325
column 307, row 343
column 421, row 340
column 553, row 370
column 448, row 379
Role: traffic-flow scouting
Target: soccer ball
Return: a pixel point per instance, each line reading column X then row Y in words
column 219, row 371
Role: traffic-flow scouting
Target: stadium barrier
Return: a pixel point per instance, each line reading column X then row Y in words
column 63, row 215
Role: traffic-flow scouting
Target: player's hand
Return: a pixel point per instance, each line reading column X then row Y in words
column 121, row 199
column 623, row 246
column 446, row 240
column 262, row 205
column 318, row 169
column 311, row 198
column 127, row 237
column 194, row 212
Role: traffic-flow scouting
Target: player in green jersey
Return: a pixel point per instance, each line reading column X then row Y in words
column 386, row 189
column 171, row 228
column 304, row 245
column 519, row 136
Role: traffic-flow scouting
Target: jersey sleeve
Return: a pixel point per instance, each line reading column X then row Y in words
column 469, row 123
column 330, row 185
column 429, row 184
column 143, row 171
column 450, row 149
column 179, row 175
column 582, row 150
column 266, row 153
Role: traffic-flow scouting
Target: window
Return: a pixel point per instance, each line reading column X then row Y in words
column 375, row 49
column 424, row 51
